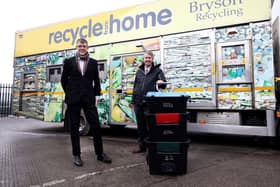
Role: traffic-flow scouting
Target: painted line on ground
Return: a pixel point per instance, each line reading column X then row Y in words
column 37, row 134
column 107, row 170
column 51, row 183
column 80, row 177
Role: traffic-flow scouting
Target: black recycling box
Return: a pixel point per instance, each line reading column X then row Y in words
column 167, row 126
column 168, row 157
column 165, row 102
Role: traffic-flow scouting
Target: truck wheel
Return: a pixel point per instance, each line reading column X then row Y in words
column 84, row 128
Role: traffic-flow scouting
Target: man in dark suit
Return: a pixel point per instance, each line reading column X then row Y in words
column 147, row 77
column 80, row 82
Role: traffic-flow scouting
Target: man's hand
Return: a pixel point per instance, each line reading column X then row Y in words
column 159, row 82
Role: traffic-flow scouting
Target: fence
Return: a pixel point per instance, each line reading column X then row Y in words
column 5, row 99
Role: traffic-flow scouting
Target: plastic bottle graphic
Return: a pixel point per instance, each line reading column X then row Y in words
column 57, row 117
column 233, row 73
column 267, row 83
column 240, row 72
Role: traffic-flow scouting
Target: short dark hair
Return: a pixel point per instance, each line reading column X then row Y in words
column 82, row 40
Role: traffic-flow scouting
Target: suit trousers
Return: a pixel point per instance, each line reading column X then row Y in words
column 142, row 126
column 91, row 114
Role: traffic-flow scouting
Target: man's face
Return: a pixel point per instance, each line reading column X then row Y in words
column 82, row 48
column 148, row 60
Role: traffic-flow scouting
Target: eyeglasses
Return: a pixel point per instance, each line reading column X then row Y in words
column 82, row 46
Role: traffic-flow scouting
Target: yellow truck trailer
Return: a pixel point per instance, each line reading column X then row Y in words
column 220, row 52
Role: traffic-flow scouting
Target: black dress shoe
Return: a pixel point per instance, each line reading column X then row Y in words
column 78, row 161
column 104, row 158
column 139, row 150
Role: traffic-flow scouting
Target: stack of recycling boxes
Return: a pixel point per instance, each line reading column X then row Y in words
column 168, row 141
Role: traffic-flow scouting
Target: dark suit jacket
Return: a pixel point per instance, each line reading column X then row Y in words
column 79, row 88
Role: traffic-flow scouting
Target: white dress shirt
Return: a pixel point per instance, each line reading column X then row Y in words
column 147, row 69
column 81, row 64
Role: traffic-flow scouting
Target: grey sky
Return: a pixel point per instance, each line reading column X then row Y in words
column 16, row 15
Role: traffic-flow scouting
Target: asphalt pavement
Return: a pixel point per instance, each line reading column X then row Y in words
column 36, row 153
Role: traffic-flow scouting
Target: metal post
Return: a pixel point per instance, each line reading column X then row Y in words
column 1, row 100
column 5, row 99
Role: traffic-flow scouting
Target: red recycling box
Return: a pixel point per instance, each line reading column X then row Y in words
column 167, row 118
